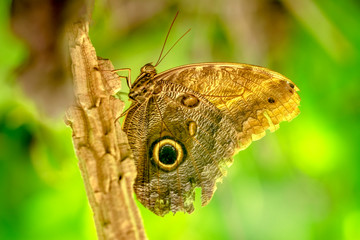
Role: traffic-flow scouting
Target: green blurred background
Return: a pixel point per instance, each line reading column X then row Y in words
column 301, row 182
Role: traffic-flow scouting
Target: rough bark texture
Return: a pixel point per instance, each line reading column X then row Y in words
column 104, row 158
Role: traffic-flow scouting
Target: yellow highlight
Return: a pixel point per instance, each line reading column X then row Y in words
column 317, row 149
column 351, row 226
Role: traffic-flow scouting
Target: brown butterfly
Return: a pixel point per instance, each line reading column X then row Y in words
column 185, row 124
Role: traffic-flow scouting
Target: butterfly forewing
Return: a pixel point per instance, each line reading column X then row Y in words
column 254, row 98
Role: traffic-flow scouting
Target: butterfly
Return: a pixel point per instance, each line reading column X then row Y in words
column 185, row 124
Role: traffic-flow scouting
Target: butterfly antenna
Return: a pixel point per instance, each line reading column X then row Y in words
column 167, row 35
column 173, row 46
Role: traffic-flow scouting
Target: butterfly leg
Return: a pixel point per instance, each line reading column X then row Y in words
column 128, row 78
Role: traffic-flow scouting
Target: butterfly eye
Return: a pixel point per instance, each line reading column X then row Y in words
column 168, row 154
column 149, row 69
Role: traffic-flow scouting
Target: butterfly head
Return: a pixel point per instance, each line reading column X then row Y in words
column 148, row 69
column 143, row 86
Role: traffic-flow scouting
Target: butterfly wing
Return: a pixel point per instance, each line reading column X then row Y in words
column 184, row 135
column 253, row 98
column 177, row 147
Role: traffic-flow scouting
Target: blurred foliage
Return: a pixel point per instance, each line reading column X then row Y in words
column 301, row 182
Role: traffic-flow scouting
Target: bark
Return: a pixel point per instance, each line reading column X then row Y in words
column 105, row 160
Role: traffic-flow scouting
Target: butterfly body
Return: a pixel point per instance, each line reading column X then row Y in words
column 185, row 124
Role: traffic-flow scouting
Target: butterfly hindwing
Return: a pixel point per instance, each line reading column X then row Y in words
column 200, row 131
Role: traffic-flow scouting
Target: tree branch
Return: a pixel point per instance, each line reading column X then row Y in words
column 105, row 160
